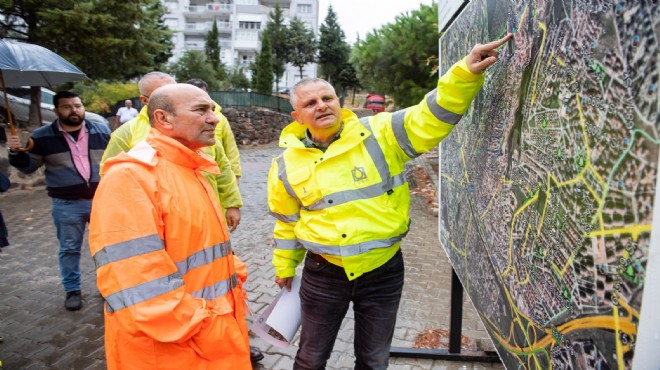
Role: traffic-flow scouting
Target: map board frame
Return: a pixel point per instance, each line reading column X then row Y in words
column 534, row 40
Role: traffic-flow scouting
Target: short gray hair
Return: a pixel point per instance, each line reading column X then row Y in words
column 307, row 81
column 152, row 80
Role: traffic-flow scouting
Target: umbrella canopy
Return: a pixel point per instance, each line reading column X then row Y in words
column 25, row 64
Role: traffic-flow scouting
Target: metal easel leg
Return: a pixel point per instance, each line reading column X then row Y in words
column 454, row 352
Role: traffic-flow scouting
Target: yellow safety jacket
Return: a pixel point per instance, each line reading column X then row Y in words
column 225, row 136
column 350, row 203
column 164, row 263
column 132, row 132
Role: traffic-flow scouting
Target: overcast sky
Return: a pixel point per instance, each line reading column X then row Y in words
column 361, row 16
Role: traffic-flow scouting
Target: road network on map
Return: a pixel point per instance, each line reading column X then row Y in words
column 547, row 184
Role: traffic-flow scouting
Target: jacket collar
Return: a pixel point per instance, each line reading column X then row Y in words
column 177, row 153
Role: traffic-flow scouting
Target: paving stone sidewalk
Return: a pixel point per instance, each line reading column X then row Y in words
column 39, row 334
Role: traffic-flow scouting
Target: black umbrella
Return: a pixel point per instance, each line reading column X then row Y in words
column 24, row 64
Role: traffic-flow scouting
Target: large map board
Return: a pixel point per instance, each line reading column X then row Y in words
column 547, row 185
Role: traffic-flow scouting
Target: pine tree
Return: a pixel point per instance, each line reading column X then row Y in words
column 333, row 49
column 212, row 46
column 303, row 45
column 278, row 34
column 264, row 73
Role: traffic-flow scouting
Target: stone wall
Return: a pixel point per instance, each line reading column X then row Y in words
column 253, row 126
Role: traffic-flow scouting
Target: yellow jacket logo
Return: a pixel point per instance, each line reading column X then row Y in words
column 359, row 174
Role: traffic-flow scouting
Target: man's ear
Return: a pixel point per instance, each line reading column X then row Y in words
column 162, row 118
column 295, row 115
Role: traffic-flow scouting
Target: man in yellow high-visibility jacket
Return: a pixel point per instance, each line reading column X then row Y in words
column 341, row 202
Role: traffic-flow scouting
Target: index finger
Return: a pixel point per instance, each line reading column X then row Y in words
column 497, row 43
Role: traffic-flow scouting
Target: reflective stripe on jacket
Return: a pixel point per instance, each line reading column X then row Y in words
column 350, row 203
column 132, row 132
column 164, row 263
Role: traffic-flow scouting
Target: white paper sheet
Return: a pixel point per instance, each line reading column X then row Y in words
column 281, row 320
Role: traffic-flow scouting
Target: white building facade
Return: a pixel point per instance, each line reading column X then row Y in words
column 240, row 23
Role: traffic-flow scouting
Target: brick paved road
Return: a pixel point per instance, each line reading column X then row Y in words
column 40, row 334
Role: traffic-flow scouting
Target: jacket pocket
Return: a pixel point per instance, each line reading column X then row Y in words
column 305, row 186
column 220, row 337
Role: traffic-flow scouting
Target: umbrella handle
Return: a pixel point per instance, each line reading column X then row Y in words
column 10, row 120
column 12, row 130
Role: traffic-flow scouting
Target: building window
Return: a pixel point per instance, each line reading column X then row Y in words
column 246, row 60
column 249, row 25
column 305, row 8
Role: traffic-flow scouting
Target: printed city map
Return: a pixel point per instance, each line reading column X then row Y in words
column 547, row 184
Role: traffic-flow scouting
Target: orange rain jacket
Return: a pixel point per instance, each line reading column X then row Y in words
column 164, row 263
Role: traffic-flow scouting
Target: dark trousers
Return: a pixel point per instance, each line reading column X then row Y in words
column 3, row 232
column 325, row 295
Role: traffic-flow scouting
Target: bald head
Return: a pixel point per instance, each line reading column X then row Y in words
column 184, row 113
column 163, row 98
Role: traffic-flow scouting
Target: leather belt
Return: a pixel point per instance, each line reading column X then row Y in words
column 316, row 257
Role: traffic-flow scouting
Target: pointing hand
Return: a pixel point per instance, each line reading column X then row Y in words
column 483, row 56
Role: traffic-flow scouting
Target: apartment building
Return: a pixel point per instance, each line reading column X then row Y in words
column 240, row 23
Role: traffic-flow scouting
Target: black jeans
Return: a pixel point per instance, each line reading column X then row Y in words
column 325, row 295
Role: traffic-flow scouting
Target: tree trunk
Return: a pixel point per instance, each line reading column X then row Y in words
column 35, row 107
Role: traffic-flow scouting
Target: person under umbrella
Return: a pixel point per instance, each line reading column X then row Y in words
column 70, row 148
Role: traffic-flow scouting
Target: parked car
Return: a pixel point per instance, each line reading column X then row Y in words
column 93, row 117
column 19, row 103
column 375, row 102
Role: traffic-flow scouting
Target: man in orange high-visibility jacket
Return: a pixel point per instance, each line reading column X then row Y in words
column 164, row 262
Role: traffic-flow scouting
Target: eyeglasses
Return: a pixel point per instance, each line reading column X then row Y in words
column 70, row 107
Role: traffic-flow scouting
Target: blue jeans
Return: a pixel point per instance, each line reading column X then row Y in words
column 70, row 218
column 325, row 295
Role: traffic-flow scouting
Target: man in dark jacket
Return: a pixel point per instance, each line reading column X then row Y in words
column 70, row 149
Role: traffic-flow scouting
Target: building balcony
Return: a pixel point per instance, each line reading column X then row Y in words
column 246, row 40
column 284, row 4
column 194, row 45
column 202, row 28
column 247, row 45
column 207, row 11
column 201, row 45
